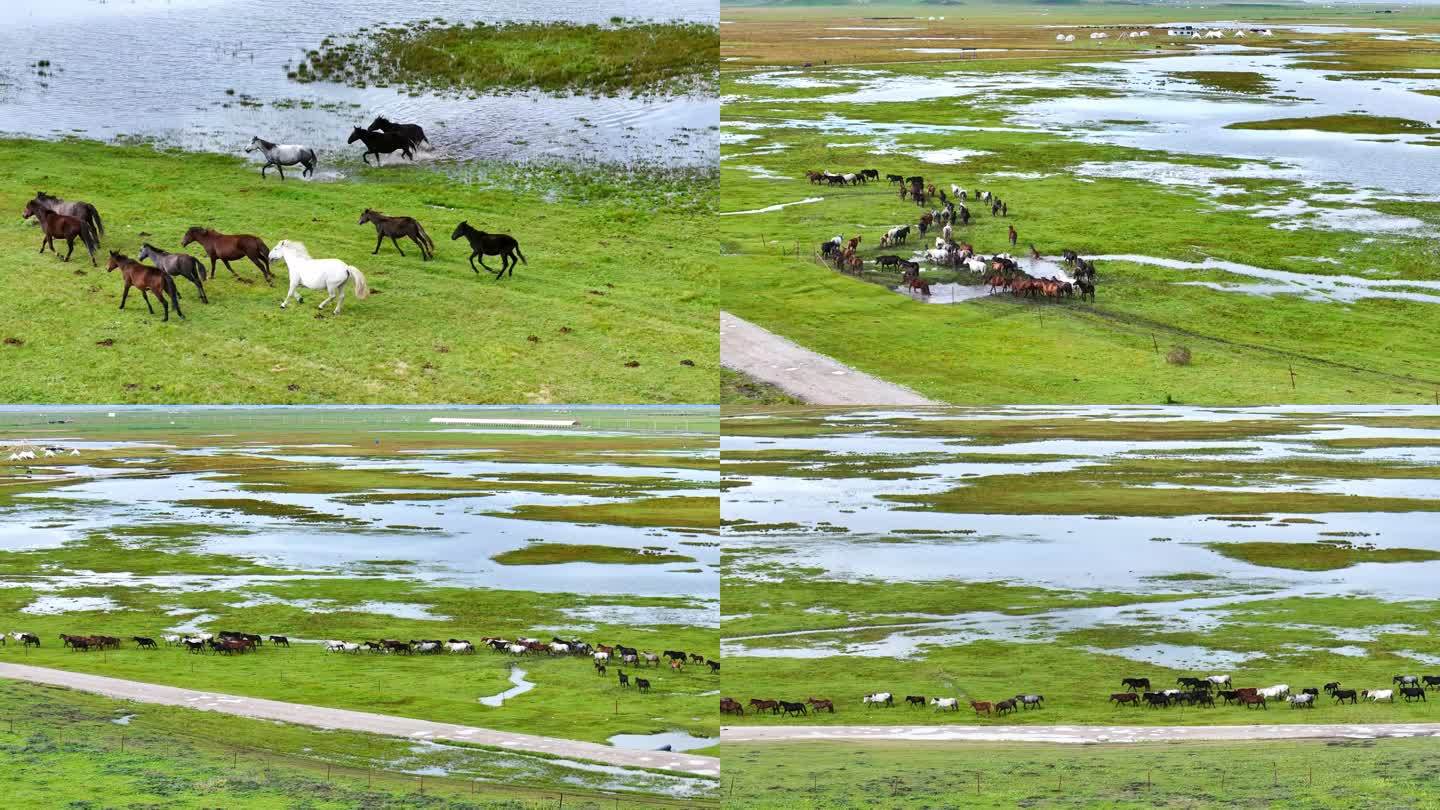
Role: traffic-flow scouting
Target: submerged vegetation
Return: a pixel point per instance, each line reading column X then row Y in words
column 1351, row 122
column 558, row 553
column 625, row 56
column 1323, row 556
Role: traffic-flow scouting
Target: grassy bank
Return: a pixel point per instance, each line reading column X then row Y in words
column 624, row 56
column 66, row 749
column 577, row 324
column 1289, row 774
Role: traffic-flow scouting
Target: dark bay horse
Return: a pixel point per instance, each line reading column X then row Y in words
column 413, row 132
column 79, row 209
column 69, row 228
column 395, row 227
column 484, row 244
column 227, row 248
column 148, row 279
column 177, row 264
column 378, row 143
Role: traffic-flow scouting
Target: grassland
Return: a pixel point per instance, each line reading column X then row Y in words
column 623, row 56
column 1309, row 774
column 1362, row 124
column 71, row 749
column 1245, row 348
column 578, row 324
column 561, row 553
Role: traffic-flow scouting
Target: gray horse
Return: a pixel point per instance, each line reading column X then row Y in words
column 281, row 155
column 177, row 264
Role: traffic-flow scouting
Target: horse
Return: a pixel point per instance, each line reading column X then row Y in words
column 1250, row 700
column 914, row 701
column 413, row 132
column 1413, row 692
column 1341, row 695
column 1405, row 680
column 642, row 684
column 941, row 704
column 144, row 642
column 821, row 704
column 624, row 679
column 1332, row 686
column 83, row 211
column 484, row 244
column 870, row 174
column 69, row 228
column 731, row 706
column 878, row 699
column 894, row 178
column 230, row 247
column 1122, row 698
column 714, row 667
column 1031, row 701
column 148, row 279
column 1302, row 701
column 758, row 705
column 1377, row 695
column 1154, row 699
column 1135, row 683
column 177, row 264
column 281, row 155
column 280, row 641
column 981, row 706
column 378, row 143
column 788, row 708
column 1004, row 706
column 1430, row 681
column 317, row 274
column 395, row 227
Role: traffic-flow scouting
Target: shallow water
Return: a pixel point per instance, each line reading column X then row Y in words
column 677, row 740
column 160, row 69
column 517, row 677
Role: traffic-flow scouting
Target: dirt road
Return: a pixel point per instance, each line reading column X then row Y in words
column 322, row 717
column 815, row 378
column 1077, row 734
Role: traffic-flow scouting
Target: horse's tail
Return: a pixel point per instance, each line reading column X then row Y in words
column 88, row 237
column 429, row 243
column 518, row 253
column 362, row 290
column 95, row 221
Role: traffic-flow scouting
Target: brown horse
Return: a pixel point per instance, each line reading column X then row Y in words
column 81, row 210
column 230, row 247
column 395, row 227
column 981, row 707
column 821, row 704
column 148, row 279
column 66, row 227
column 731, row 706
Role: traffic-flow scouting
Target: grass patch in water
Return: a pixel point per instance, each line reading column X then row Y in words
column 683, row 512
column 626, row 56
column 560, row 553
column 1348, row 122
column 1323, row 556
column 1234, row 81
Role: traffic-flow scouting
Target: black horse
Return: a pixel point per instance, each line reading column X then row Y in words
column 378, row 143
column 412, row 132
column 484, row 244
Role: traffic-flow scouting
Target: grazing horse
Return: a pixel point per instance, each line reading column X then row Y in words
column 821, row 705
column 1135, row 683
column 230, row 247
column 148, row 279
column 281, row 155
column 981, row 707
column 177, row 264
column 69, row 228
column 1122, row 698
column 731, row 706
column 413, row 132
column 484, row 244
column 378, row 143
column 317, row 274
column 642, row 684
column 395, row 227
column 83, row 211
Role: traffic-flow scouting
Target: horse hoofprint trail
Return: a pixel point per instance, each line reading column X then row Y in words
column 1078, row 734
column 813, row 377
column 322, row 717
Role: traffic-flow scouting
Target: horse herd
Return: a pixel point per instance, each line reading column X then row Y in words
column 383, row 136
column 75, row 219
column 1203, row 692
column 1001, row 271
column 786, row 708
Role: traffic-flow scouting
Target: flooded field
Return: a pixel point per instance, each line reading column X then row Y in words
column 225, row 62
column 1281, row 545
column 359, row 524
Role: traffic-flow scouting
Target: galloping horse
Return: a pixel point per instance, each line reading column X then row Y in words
column 83, row 211
column 148, row 279
column 317, row 274
column 395, row 227
column 230, row 247
column 378, row 143
column 177, row 264
column 413, row 132
column 69, row 228
column 281, row 155
column 484, row 244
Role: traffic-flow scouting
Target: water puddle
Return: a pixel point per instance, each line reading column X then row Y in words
column 663, row 741
column 517, row 677
column 55, row 605
column 772, row 208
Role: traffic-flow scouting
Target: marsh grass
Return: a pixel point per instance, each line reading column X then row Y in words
column 561, row 553
column 629, row 56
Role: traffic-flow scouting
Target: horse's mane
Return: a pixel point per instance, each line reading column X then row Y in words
column 299, row 248
column 264, row 143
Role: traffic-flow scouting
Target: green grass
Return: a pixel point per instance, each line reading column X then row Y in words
column 1392, row 773
column 689, row 512
column 737, row 388
column 1235, row 81
column 625, row 56
column 1317, row 556
column 62, row 748
column 561, row 553
column 1354, row 123
column 577, row 324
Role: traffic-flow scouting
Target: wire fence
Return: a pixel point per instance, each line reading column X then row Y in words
column 266, row 765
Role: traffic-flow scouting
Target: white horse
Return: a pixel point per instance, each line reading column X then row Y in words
column 879, row 698
column 941, row 704
column 1377, row 695
column 1278, row 691
column 1218, row 680
column 281, row 155
column 317, row 274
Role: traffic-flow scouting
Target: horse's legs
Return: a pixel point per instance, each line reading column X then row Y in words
column 379, row 240
column 69, row 248
column 255, row 259
column 163, row 303
column 339, row 295
column 424, row 254
column 146, row 295
column 472, row 264
column 280, row 167
column 227, row 267
column 175, row 299
column 262, row 170
column 294, row 282
column 48, row 240
column 396, row 243
column 125, row 294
